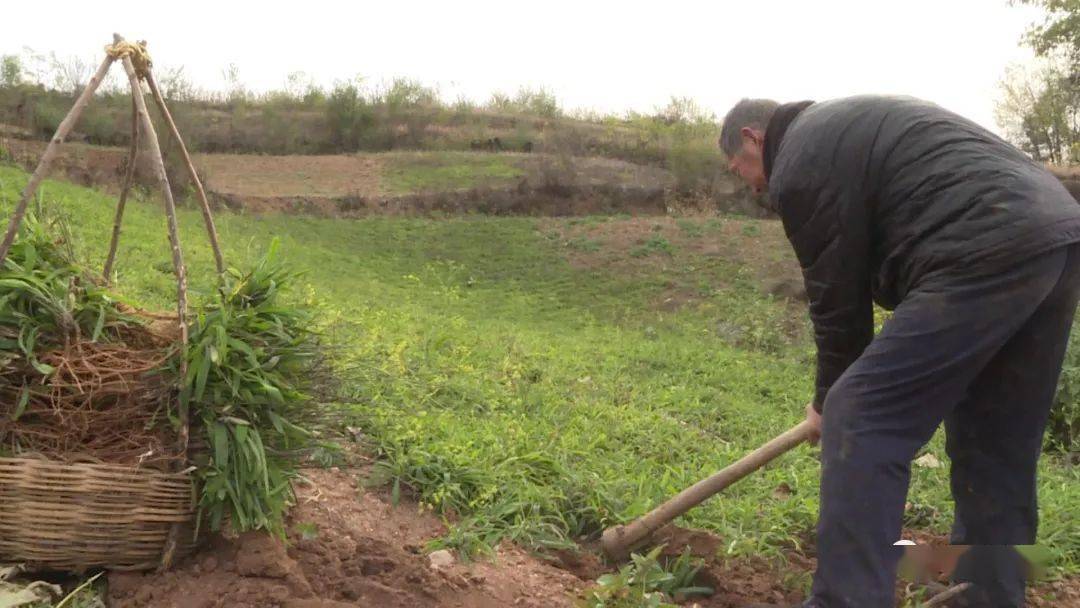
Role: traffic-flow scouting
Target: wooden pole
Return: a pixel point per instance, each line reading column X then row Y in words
column 948, row 594
column 158, row 163
column 47, row 158
column 617, row 542
column 129, row 177
column 208, row 217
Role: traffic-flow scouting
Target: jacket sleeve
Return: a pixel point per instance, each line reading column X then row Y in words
column 828, row 228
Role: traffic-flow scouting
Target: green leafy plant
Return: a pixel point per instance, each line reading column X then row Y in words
column 46, row 300
column 646, row 583
column 248, row 362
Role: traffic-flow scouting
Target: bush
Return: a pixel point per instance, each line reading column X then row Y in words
column 694, row 161
column 406, row 93
column 10, row 71
column 538, row 102
column 47, row 117
column 348, row 117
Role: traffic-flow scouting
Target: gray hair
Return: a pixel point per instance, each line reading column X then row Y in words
column 753, row 113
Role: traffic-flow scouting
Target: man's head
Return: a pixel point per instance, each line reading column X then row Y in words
column 742, row 139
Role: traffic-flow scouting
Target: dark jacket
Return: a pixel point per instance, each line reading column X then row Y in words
column 879, row 193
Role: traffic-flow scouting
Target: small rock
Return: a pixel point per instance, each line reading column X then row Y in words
column 209, row 564
column 441, row 559
column 928, row 461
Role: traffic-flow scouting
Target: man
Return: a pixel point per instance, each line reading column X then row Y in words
column 900, row 202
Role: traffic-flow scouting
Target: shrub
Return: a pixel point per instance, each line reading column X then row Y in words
column 695, row 162
column 47, row 117
column 538, row 102
column 647, row 583
column 10, row 71
column 348, row 116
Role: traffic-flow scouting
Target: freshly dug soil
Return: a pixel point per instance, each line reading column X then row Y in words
column 350, row 547
column 346, row 548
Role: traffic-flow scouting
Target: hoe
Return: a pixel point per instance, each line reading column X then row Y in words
column 618, row 541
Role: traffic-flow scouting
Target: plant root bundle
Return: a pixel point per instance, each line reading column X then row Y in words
column 103, row 402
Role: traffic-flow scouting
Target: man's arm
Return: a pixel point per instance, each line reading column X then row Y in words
column 830, row 233
column 838, row 285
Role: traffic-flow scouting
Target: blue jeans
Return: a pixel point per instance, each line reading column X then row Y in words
column 981, row 354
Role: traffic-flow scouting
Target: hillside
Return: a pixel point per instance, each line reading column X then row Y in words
column 536, row 379
column 350, row 118
column 363, row 183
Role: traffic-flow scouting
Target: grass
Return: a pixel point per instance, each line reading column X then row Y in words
column 654, row 244
column 407, row 173
column 531, row 400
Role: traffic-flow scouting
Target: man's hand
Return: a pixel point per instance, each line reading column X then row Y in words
column 814, row 419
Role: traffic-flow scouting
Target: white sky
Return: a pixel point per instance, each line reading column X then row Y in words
column 604, row 55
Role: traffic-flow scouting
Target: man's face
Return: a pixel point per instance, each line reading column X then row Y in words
column 747, row 162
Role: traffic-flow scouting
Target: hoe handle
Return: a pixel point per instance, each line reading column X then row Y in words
column 619, row 541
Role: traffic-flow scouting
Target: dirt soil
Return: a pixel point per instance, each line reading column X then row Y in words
column 737, row 583
column 311, row 176
column 346, row 547
column 350, row 547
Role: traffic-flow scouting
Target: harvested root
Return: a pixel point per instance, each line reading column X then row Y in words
column 104, row 402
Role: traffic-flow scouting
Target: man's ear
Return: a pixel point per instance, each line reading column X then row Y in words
column 752, row 134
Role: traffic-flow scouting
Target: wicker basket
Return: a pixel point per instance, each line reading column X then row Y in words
column 81, row 516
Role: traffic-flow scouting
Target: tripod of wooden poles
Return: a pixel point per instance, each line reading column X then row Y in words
column 137, row 65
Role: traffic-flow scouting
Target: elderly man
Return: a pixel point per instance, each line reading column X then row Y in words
column 971, row 244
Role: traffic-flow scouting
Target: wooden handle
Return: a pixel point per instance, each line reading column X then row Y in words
column 619, row 541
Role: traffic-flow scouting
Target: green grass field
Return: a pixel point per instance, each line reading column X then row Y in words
column 534, row 400
column 408, row 172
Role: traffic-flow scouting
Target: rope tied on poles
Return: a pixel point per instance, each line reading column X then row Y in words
column 140, row 58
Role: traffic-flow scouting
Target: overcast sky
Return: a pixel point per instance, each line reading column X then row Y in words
column 603, row 55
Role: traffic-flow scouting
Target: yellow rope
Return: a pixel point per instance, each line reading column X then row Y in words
column 136, row 51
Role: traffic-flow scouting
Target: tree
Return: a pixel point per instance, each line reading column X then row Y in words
column 1059, row 33
column 11, row 72
column 349, row 116
column 1040, row 107
column 1040, row 112
column 70, row 74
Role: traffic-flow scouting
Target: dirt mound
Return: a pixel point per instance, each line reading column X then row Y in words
column 346, row 547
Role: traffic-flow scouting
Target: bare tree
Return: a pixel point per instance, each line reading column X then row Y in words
column 70, row 74
column 1039, row 111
